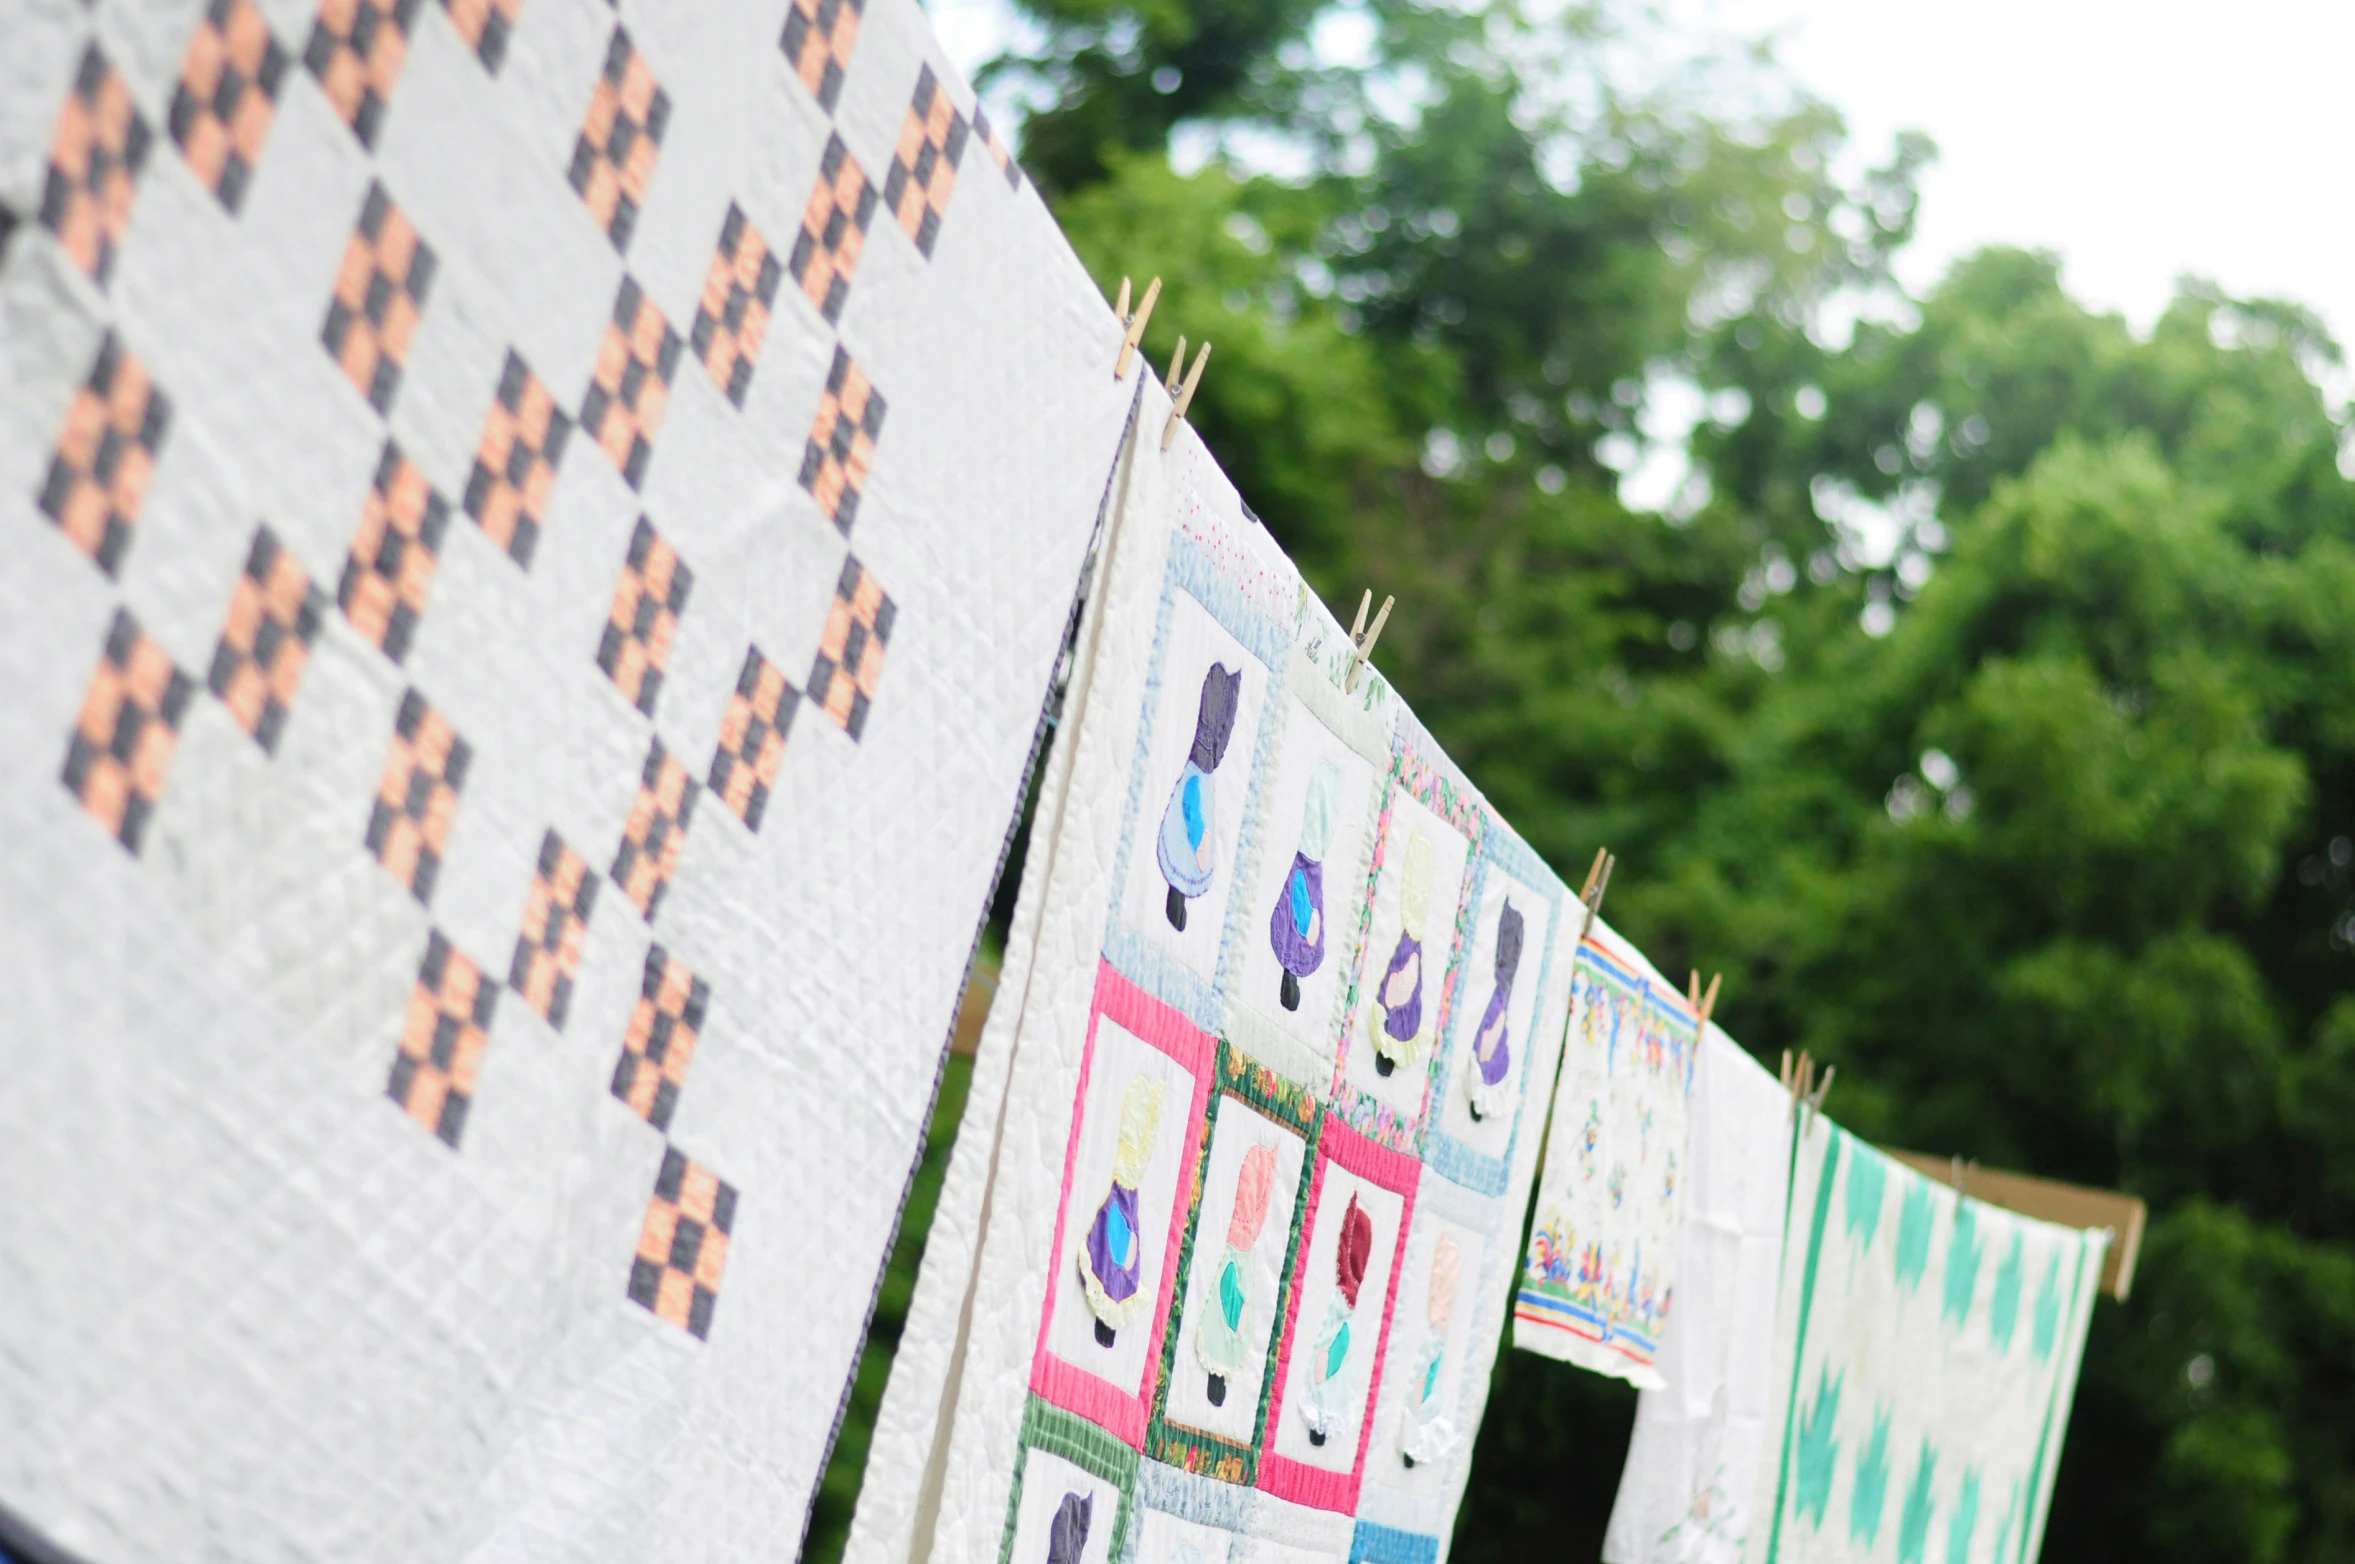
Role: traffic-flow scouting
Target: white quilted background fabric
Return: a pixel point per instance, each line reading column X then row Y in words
column 318, row 1246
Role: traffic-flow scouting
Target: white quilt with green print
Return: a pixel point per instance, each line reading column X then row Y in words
column 1926, row 1352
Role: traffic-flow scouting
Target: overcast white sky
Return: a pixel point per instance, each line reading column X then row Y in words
column 2141, row 139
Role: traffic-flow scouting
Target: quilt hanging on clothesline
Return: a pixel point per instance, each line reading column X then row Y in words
column 1926, row 1353
column 1599, row 1281
column 1692, row 1467
column 1264, row 1150
column 538, row 534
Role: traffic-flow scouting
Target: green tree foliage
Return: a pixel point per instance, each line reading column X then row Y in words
column 1984, row 704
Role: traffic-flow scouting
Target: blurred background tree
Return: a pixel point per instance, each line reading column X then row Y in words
column 1977, row 687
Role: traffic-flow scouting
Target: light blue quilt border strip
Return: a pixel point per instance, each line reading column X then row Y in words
column 1192, row 571
column 1192, row 1497
column 1372, row 1544
column 1448, row 1156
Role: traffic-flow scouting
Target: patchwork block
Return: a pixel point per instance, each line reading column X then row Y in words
column 555, row 931
column 924, row 164
column 417, row 802
column 274, row 615
column 683, row 1248
column 817, row 43
column 122, row 745
column 443, row 1039
column 841, row 449
column 394, row 555
column 486, row 25
column 995, row 145
column 613, row 157
column 106, row 455
column 655, row 831
column 227, row 97
column 95, row 157
column 514, row 472
column 380, row 291
column 833, row 231
column 732, row 318
column 850, row 650
column 660, row 1043
column 356, row 50
column 752, row 738
column 631, row 386
column 635, row 651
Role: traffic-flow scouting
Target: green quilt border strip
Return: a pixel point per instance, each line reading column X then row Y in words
column 1048, row 1427
column 2056, row 1409
column 1296, row 1107
column 1823, row 1211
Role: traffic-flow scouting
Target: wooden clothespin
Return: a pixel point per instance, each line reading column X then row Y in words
column 1598, row 880
column 1825, row 1090
column 1134, row 325
column 1361, row 640
column 1786, row 1069
column 1702, row 1003
column 1798, row 1080
column 1184, row 395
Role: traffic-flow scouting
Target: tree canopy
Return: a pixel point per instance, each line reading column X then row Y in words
column 1982, row 701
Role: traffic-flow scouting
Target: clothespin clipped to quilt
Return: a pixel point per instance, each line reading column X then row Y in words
column 1800, row 1083
column 1361, row 639
column 1598, row 880
column 1702, row 1003
column 1181, row 396
column 1133, row 325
